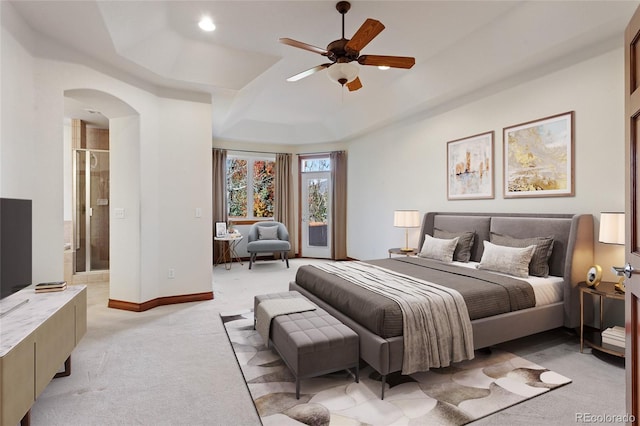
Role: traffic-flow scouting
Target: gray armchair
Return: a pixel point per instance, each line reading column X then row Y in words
column 268, row 237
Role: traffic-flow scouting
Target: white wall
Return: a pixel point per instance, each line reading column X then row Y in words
column 125, row 253
column 412, row 156
column 185, row 185
column 162, row 173
column 17, row 108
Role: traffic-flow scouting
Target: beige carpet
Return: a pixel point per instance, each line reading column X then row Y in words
column 174, row 365
column 455, row 395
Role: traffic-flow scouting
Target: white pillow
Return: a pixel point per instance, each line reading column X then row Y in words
column 507, row 260
column 438, row 248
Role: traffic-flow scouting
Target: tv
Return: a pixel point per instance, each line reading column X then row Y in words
column 15, row 245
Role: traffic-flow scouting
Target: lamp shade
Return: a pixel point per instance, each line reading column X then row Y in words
column 342, row 72
column 406, row 218
column 612, row 228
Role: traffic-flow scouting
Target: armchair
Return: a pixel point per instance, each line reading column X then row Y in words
column 268, row 237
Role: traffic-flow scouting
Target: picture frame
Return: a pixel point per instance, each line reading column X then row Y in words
column 470, row 167
column 539, row 158
column 221, row 229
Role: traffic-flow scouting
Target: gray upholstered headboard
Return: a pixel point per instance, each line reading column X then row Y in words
column 572, row 249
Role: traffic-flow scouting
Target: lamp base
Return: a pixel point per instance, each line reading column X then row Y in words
column 406, row 249
column 620, row 285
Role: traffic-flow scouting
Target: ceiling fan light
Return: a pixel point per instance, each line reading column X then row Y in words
column 384, row 67
column 343, row 72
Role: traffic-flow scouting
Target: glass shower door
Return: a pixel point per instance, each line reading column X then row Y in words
column 91, row 210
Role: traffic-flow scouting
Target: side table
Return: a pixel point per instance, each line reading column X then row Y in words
column 592, row 336
column 397, row 250
column 228, row 252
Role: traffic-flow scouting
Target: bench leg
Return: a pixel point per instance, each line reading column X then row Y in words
column 383, row 382
column 297, row 387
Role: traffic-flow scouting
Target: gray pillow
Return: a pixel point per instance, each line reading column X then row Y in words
column 438, row 249
column 267, row 232
column 539, row 266
column 507, row 260
column 465, row 242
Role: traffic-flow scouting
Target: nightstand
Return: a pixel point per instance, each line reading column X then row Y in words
column 398, row 250
column 592, row 336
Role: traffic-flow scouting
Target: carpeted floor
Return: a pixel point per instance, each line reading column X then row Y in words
column 455, row 395
column 174, row 365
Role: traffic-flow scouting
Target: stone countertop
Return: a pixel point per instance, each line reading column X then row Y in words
column 20, row 322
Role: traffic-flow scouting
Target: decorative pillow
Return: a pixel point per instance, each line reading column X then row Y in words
column 539, row 266
column 267, row 232
column 438, row 249
column 507, row 260
column 465, row 242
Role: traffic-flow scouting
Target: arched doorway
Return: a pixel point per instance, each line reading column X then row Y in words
column 87, row 175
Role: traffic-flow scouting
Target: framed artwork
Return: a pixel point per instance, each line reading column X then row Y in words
column 221, row 229
column 470, row 167
column 538, row 158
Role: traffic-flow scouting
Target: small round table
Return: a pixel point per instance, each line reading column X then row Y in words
column 398, row 250
column 228, row 251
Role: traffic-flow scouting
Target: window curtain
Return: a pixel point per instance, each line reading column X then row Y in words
column 283, row 209
column 219, row 195
column 339, row 207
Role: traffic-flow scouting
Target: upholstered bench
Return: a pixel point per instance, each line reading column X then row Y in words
column 312, row 343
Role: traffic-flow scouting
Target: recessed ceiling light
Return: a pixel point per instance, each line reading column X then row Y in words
column 206, row 24
column 384, row 67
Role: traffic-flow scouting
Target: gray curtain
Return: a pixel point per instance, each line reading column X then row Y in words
column 283, row 209
column 219, row 194
column 339, row 208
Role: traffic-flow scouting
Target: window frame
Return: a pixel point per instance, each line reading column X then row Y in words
column 250, row 158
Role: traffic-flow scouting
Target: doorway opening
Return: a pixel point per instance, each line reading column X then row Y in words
column 91, row 215
column 315, row 206
column 91, row 178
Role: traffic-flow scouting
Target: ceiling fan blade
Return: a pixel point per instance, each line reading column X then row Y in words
column 367, row 32
column 305, row 46
column 308, row 72
column 389, row 61
column 354, row 84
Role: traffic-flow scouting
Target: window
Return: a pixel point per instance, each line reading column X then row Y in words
column 316, row 165
column 250, row 187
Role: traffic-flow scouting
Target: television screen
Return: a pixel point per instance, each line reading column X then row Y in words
column 15, row 245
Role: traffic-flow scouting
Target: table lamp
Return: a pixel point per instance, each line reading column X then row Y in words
column 406, row 219
column 612, row 232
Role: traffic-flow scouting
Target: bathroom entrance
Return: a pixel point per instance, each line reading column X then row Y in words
column 91, row 201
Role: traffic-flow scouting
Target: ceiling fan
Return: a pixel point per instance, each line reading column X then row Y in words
column 343, row 51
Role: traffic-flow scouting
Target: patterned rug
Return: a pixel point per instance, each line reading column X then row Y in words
column 454, row 395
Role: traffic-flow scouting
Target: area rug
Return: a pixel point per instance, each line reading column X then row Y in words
column 454, row 395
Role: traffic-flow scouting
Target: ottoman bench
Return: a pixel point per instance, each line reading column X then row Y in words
column 312, row 343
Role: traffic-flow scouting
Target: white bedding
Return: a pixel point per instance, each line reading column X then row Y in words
column 546, row 290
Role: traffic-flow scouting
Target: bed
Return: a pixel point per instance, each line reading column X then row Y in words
column 382, row 347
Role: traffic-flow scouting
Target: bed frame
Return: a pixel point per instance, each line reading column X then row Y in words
column 571, row 258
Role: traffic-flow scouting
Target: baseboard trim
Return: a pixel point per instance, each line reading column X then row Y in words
column 160, row 301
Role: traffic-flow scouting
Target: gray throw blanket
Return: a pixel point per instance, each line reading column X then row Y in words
column 271, row 308
column 436, row 326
